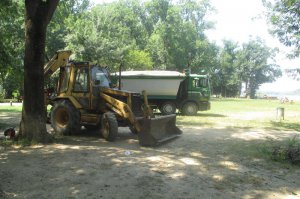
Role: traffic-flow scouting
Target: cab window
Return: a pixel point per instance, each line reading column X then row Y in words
column 196, row 83
column 81, row 80
column 200, row 83
column 203, row 82
column 65, row 79
column 99, row 77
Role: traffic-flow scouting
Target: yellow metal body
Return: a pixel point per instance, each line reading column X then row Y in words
column 94, row 100
column 104, row 99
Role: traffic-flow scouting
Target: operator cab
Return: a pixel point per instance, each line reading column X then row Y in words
column 100, row 76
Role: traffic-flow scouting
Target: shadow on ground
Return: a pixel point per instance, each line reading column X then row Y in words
column 202, row 163
column 285, row 126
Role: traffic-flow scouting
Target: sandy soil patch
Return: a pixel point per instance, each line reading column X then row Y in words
column 202, row 163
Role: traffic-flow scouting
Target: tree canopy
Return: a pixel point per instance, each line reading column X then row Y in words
column 156, row 34
column 284, row 16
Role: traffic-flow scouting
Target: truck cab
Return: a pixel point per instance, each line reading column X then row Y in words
column 194, row 94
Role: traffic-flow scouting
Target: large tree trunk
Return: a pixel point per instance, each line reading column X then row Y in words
column 33, row 123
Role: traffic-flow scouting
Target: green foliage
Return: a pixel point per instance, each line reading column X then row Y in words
column 11, row 45
column 104, row 34
column 254, row 61
column 159, row 34
column 138, row 60
column 287, row 150
column 168, row 31
column 284, row 17
column 60, row 25
column 250, row 64
column 229, row 74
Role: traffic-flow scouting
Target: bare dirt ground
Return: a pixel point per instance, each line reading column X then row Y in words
column 202, row 163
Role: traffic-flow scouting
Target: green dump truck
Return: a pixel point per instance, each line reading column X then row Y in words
column 168, row 90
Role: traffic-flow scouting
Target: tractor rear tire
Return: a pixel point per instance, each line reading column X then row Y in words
column 189, row 109
column 65, row 118
column 109, row 126
column 168, row 108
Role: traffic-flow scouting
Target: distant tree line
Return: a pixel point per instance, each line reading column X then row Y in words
column 156, row 34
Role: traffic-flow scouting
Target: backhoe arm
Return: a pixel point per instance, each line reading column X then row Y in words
column 58, row 60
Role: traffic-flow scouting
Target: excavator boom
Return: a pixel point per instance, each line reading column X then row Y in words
column 59, row 59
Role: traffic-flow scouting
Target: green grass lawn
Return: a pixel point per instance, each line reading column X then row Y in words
column 231, row 113
column 10, row 109
column 8, row 112
column 246, row 113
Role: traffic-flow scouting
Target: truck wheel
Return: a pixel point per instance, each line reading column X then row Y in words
column 65, row 118
column 189, row 108
column 109, row 126
column 168, row 108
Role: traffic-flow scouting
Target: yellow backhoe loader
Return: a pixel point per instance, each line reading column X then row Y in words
column 83, row 97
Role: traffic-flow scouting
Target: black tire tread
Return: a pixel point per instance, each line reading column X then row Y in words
column 113, row 126
column 74, row 115
column 186, row 106
column 165, row 103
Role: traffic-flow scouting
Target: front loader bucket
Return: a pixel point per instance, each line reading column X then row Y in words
column 157, row 130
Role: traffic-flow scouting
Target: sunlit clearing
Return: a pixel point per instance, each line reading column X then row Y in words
column 111, row 154
column 132, row 141
column 74, row 191
column 3, row 158
column 189, row 161
column 155, row 158
column 25, row 151
column 80, row 172
column 253, row 135
column 291, row 197
column 229, row 165
column 63, row 147
column 115, row 160
column 218, row 177
column 37, row 146
column 199, row 155
column 177, row 175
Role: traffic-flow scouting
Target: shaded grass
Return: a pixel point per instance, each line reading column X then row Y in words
column 222, row 114
column 286, row 125
column 4, row 125
column 287, row 150
column 15, row 142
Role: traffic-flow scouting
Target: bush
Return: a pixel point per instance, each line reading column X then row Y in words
column 1, row 96
column 288, row 150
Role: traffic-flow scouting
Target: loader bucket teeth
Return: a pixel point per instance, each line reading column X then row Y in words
column 157, row 130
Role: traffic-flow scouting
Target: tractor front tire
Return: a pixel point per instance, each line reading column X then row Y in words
column 109, row 126
column 65, row 118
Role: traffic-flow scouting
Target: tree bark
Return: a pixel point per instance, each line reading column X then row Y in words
column 37, row 18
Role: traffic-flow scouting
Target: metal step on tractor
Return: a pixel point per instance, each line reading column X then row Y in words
column 83, row 97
